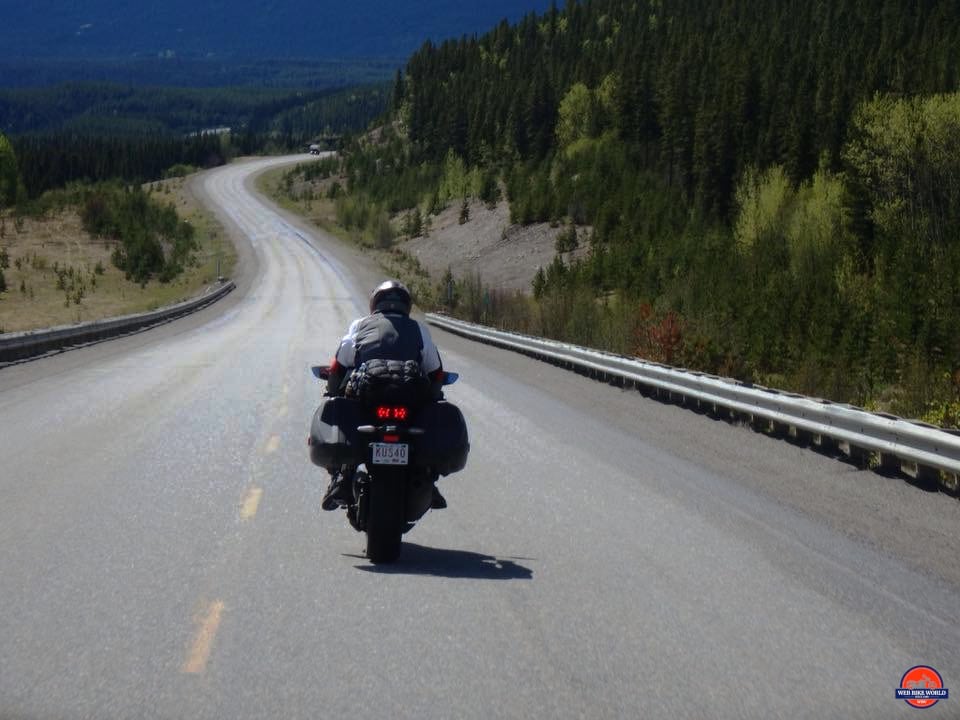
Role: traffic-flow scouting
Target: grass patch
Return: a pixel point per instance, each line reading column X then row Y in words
column 304, row 198
column 59, row 275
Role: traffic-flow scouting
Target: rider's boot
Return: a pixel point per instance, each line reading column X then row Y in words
column 439, row 502
column 340, row 492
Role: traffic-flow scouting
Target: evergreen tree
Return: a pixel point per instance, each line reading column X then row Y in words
column 768, row 201
column 399, row 90
column 10, row 187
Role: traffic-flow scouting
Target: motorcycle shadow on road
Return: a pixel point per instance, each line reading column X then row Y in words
column 440, row 562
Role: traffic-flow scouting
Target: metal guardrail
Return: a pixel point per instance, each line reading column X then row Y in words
column 24, row 345
column 929, row 449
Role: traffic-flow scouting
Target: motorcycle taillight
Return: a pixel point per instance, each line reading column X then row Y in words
column 392, row 412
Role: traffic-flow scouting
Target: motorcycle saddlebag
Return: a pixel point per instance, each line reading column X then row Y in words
column 334, row 440
column 444, row 446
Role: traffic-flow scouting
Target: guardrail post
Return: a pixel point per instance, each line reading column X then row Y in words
column 952, row 484
column 928, row 477
column 859, row 456
column 698, row 406
column 760, row 424
column 722, row 413
column 889, row 464
column 828, row 445
column 801, row 437
column 780, row 430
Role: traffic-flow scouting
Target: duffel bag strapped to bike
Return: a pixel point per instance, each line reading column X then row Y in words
column 444, row 445
column 391, row 381
column 334, row 439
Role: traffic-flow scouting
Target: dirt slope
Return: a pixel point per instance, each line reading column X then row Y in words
column 506, row 256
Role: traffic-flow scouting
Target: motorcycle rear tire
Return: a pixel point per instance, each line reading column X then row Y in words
column 385, row 519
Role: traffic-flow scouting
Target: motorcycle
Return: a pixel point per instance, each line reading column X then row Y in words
column 396, row 451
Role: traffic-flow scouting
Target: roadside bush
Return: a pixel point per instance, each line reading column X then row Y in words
column 412, row 223
column 490, row 190
column 318, row 170
column 382, row 230
column 153, row 241
column 567, row 240
column 179, row 170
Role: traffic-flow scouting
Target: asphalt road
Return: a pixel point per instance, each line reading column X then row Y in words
column 163, row 555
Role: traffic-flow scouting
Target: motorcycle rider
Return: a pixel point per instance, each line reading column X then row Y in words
column 387, row 333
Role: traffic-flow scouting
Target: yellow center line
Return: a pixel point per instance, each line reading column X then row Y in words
column 250, row 503
column 272, row 444
column 196, row 661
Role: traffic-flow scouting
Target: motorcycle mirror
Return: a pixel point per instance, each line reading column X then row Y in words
column 321, row 372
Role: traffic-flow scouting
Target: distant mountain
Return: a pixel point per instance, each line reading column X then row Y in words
column 242, row 29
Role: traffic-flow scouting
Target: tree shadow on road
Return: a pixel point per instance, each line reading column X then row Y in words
column 439, row 562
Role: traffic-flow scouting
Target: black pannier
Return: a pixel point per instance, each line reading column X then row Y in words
column 334, row 440
column 444, row 445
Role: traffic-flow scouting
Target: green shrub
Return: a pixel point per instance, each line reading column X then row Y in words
column 153, row 241
column 179, row 170
column 412, row 223
column 490, row 190
column 567, row 241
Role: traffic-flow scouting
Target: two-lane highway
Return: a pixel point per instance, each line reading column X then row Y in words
column 163, row 554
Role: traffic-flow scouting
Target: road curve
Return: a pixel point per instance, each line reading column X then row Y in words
column 162, row 552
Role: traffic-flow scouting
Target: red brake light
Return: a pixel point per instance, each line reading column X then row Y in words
column 386, row 412
column 391, row 438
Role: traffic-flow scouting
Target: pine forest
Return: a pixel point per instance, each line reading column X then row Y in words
column 767, row 189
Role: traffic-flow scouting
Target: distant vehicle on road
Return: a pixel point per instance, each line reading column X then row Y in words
column 314, row 149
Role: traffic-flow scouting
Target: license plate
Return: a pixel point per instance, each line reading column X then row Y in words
column 390, row 453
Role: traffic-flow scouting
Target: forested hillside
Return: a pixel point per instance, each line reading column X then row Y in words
column 770, row 189
column 127, row 110
column 52, row 161
column 698, row 90
column 122, row 110
column 98, row 131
